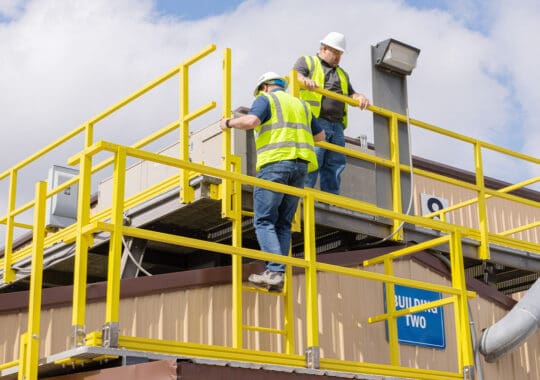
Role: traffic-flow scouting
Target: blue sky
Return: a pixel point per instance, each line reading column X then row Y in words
column 194, row 10
column 64, row 61
column 473, row 13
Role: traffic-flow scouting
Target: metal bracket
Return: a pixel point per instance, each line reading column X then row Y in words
column 313, row 357
column 78, row 336
column 109, row 335
column 468, row 373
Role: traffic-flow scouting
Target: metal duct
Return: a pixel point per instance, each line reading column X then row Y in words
column 520, row 323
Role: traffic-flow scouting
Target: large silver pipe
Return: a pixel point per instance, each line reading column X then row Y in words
column 514, row 328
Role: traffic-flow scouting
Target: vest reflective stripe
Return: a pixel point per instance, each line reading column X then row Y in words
column 287, row 134
column 317, row 74
column 290, row 125
column 279, row 114
column 286, row 144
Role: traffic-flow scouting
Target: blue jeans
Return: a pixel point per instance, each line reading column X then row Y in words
column 331, row 164
column 274, row 211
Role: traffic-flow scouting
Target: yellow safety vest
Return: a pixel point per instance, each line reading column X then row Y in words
column 317, row 74
column 287, row 134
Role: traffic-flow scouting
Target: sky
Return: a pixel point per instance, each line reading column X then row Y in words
column 63, row 62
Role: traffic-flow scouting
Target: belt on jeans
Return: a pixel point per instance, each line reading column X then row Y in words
column 292, row 160
column 299, row 160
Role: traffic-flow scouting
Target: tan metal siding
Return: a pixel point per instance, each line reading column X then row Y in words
column 502, row 214
column 203, row 315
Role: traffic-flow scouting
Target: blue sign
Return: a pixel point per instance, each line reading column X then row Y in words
column 425, row 328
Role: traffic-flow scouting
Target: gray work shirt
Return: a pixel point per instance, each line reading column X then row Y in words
column 331, row 109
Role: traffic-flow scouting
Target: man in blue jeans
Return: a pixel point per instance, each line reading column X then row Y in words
column 323, row 70
column 285, row 133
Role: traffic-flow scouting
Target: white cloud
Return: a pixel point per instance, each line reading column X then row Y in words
column 514, row 33
column 11, row 9
column 64, row 62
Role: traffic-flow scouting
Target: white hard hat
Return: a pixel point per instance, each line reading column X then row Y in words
column 268, row 77
column 334, row 40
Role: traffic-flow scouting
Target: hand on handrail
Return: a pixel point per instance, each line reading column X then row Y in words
column 363, row 101
column 356, row 100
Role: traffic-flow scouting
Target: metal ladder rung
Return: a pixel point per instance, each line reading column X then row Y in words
column 262, row 290
column 264, row 329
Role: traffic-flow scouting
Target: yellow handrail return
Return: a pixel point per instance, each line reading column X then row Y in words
column 230, row 193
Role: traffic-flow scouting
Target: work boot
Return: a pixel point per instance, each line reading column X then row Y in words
column 267, row 279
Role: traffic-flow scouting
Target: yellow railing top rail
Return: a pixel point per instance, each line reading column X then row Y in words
column 130, row 98
column 403, row 118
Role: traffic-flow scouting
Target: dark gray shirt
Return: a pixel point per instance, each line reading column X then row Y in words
column 331, row 109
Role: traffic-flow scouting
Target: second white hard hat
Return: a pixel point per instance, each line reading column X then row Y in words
column 270, row 76
column 335, row 40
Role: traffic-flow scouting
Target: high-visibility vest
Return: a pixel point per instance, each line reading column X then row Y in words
column 287, row 134
column 317, row 74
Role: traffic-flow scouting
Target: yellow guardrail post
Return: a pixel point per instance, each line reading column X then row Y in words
column 391, row 309
column 236, row 232
column 310, row 255
column 88, row 134
column 294, row 88
column 288, row 305
column 463, row 333
column 296, row 223
column 23, row 348
column 288, row 309
column 483, row 250
column 187, row 195
column 186, row 192
column 82, row 243
column 294, row 84
column 9, row 274
column 30, row 363
column 226, row 184
column 231, row 204
column 110, row 329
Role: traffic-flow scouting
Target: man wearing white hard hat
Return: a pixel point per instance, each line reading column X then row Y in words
column 323, row 70
column 285, row 132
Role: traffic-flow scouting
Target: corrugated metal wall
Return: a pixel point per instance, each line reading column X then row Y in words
column 203, row 315
column 502, row 214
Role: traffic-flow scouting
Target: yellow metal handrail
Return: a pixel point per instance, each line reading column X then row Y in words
column 111, row 221
column 396, row 167
column 309, row 263
column 87, row 128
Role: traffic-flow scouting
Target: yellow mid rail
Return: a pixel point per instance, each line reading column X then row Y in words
column 229, row 192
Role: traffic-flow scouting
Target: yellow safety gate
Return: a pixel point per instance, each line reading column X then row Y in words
column 230, row 193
